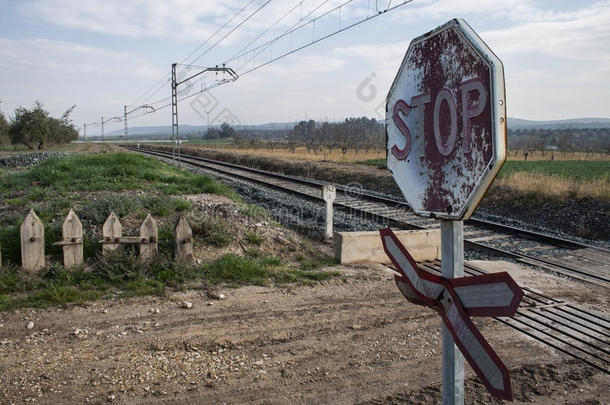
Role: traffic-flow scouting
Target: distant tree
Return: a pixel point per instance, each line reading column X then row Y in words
column 35, row 128
column 212, row 133
column 226, row 131
column 4, row 139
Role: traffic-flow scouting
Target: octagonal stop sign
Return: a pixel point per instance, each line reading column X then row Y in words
column 446, row 122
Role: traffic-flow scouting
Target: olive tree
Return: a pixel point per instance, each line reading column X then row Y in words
column 35, row 128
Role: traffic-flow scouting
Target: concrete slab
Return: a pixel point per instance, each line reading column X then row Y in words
column 366, row 247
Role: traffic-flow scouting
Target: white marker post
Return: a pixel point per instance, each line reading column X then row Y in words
column 329, row 193
column 452, row 266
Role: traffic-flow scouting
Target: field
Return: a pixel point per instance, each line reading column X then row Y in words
column 570, row 176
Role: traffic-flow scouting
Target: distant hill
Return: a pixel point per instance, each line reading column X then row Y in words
column 164, row 131
column 577, row 123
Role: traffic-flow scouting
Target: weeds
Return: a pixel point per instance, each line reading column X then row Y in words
column 213, row 231
column 259, row 270
column 253, row 238
column 253, row 211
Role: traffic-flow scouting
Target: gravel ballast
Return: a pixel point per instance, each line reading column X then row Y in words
column 30, row 159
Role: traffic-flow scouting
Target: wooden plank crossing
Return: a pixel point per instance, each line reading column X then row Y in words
column 569, row 328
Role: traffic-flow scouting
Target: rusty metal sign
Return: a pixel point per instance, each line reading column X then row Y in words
column 446, row 122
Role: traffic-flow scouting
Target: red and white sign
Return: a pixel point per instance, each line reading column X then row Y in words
column 456, row 300
column 446, row 122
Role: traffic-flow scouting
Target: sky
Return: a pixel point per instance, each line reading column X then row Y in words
column 101, row 55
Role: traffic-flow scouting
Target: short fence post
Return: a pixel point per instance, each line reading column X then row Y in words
column 111, row 231
column 148, row 236
column 329, row 193
column 183, row 240
column 32, row 242
column 72, row 244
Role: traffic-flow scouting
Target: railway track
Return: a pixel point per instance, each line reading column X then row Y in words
column 558, row 255
column 569, row 328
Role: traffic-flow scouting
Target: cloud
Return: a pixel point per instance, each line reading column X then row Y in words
column 178, row 20
column 43, row 57
column 582, row 35
column 62, row 73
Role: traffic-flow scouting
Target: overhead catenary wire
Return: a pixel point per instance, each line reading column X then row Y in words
column 241, row 53
column 217, row 31
column 166, row 79
column 271, row 26
column 314, row 40
column 230, row 32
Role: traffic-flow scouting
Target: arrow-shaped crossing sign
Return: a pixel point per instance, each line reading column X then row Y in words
column 456, row 300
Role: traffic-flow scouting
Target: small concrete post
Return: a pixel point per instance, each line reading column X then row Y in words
column 148, row 236
column 32, row 243
column 452, row 255
column 329, row 193
column 183, row 241
column 72, row 231
column 111, row 231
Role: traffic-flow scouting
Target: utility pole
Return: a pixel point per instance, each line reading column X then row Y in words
column 102, row 120
column 125, row 122
column 174, row 113
column 208, row 128
column 85, row 132
column 175, row 134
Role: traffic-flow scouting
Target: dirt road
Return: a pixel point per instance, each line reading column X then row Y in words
column 352, row 339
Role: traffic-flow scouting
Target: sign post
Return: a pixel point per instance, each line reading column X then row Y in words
column 446, row 141
column 452, row 266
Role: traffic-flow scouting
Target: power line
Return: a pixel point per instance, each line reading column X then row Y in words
column 271, row 26
column 164, row 80
column 161, row 82
column 288, row 32
column 232, row 30
column 238, row 55
column 217, row 31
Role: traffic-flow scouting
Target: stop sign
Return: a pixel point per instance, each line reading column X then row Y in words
column 446, row 122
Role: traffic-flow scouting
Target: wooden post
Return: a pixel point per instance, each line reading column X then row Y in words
column 32, row 243
column 72, row 232
column 112, row 230
column 183, row 240
column 148, row 234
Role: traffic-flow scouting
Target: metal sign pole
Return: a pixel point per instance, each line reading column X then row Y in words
column 452, row 252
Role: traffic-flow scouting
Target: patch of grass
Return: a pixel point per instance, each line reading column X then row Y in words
column 556, row 180
column 253, row 211
column 98, row 210
column 10, row 246
column 142, row 286
column 253, row 238
column 261, row 270
column 162, row 206
column 108, row 172
column 578, row 170
column 213, row 231
column 316, row 262
column 51, row 296
column 379, row 163
column 235, row 270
